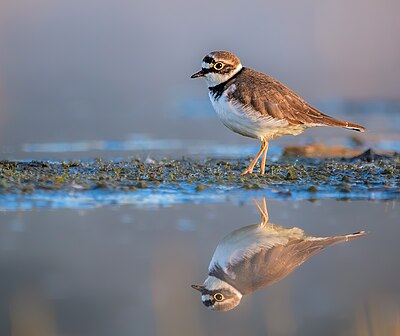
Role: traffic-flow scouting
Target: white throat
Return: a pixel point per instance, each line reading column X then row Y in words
column 213, row 78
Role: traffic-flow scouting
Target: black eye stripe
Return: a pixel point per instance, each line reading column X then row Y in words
column 207, row 70
column 225, row 70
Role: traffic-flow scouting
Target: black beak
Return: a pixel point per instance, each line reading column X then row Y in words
column 198, row 74
column 200, row 288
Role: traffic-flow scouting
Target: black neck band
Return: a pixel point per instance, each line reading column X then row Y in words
column 217, row 90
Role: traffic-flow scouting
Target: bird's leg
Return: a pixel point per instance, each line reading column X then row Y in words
column 264, row 203
column 249, row 170
column 263, row 211
column 264, row 157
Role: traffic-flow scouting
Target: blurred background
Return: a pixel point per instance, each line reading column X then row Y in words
column 82, row 71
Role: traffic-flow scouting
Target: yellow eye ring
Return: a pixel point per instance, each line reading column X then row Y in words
column 218, row 66
column 219, row 297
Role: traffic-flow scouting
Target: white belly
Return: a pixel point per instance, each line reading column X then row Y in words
column 246, row 121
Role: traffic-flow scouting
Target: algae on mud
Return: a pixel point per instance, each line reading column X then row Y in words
column 334, row 177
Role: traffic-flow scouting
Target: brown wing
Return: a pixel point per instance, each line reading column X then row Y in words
column 271, row 265
column 271, row 98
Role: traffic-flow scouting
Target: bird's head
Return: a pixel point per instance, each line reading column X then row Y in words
column 218, row 295
column 218, row 67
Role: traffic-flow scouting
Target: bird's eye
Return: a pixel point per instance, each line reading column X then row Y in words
column 218, row 297
column 218, row 66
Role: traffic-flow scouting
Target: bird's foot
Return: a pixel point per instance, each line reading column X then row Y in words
column 250, row 171
column 247, row 171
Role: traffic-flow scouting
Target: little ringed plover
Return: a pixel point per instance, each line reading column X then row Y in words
column 258, row 106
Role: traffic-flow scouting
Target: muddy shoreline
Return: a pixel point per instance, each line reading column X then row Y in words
column 368, row 173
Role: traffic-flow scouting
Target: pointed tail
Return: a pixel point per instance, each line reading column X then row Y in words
column 354, row 235
column 329, row 121
column 341, row 239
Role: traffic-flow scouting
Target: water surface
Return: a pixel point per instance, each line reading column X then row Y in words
column 124, row 270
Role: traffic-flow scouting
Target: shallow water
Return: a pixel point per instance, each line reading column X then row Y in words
column 124, row 270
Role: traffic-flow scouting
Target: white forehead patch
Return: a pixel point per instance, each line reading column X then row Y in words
column 205, row 297
column 205, row 65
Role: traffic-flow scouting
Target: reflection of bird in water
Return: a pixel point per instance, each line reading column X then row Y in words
column 256, row 256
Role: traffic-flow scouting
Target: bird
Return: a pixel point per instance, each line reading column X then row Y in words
column 258, row 106
column 256, row 256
